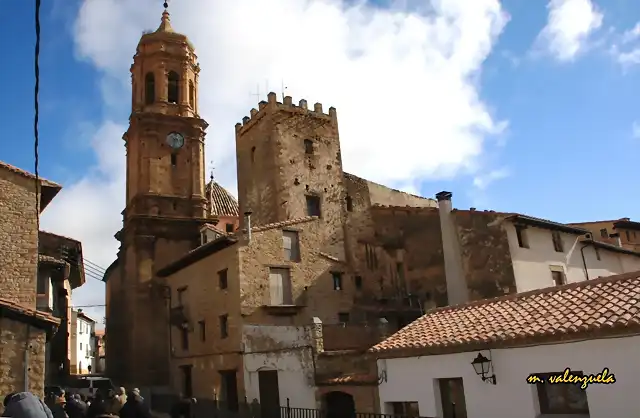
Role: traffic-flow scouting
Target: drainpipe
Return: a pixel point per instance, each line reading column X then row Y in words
column 584, row 261
column 247, row 216
column 27, row 347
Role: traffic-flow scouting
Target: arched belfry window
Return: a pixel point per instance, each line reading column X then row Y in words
column 172, row 94
column 192, row 94
column 149, row 88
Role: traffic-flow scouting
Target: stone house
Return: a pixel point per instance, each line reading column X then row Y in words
column 622, row 232
column 24, row 330
column 475, row 359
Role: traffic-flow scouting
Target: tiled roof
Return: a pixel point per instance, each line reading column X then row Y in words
column 29, row 175
column 610, row 247
column 28, row 312
column 601, row 307
column 213, row 228
column 221, row 202
column 349, row 379
column 284, row 223
column 51, row 260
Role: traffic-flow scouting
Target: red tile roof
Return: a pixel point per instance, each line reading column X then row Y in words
column 28, row 312
column 349, row 379
column 596, row 308
column 221, row 202
column 29, row 175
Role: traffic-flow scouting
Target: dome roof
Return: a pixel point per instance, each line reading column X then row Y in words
column 165, row 32
column 221, row 202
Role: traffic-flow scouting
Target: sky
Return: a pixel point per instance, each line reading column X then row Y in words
column 514, row 105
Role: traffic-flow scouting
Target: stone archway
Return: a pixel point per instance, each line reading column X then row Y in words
column 339, row 405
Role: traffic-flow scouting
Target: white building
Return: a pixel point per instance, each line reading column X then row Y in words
column 82, row 343
column 546, row 253
column 586, row 327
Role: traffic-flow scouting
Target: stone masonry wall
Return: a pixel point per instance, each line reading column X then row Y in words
column 18, row 239
column 16, row 337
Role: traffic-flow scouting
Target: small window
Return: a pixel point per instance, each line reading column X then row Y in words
column 280, row 291
column 308, row 146
column 358, row 282
column 343, row 317
column 224, row 326
column 562, row 399
column 604, row 233
column 228, row 228
column 222, row 279
column 337, row 280
column 521, row 234
column 597, row 251
column 291, row 245
column 80, row 346
column 173, row 87
column 203, row 330
column 149, row 88
column 181, row 295
column 184, row 338
column 556, row 237
column 405, row 409
column 628, row 236
column 174, row 160
column 253, row 155
column 192, row 94
column 204, row 238
column 349, row 204
column 313, row 205
column 558, row 277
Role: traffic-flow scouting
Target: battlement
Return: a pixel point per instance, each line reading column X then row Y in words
column 272, row 105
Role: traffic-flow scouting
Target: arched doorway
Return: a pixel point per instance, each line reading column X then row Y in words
column 339, row 405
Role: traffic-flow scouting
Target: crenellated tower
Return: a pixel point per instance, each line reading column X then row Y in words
column 289, row 164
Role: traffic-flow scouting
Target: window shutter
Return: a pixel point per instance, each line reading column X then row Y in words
column 275, row 287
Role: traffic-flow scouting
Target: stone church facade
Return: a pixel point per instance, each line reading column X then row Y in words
column 364, row 251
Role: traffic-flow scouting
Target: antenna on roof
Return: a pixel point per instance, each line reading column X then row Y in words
column 283, row 90
column 166, row 4
column 212, row 170
column 257, row 93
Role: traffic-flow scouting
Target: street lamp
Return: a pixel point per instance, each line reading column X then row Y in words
column 482, row 367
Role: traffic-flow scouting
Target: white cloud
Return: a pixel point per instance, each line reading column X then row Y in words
column 482, row 182
column 569, row 25
column 404, row 83
column 635, row 130
column 627, row 50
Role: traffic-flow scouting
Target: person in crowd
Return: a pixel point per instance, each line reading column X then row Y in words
column 97, row 407
column 56, row 402
column 135, row 407
column 183, row 408
column 25, row 405
column 74, row 407
column 122, row 396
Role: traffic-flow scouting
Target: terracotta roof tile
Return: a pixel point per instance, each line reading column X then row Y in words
column 603, row 306
column 23, row 310
column 284, row 223
column 29, row 175
column 221, row 202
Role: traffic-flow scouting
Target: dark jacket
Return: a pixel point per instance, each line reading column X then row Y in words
column 97, row 408
column 134, row 408
column 75, row 408
column 26, row 405
column 182, row 409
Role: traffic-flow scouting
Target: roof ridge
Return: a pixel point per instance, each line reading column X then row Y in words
column 288, row 222
column 25, row 173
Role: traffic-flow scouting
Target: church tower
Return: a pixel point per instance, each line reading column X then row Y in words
column 165, row 202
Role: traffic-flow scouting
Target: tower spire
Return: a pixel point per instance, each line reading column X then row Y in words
column 165, row 22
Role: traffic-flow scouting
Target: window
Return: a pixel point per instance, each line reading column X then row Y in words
column 184, row 338
column 174, row 160
column 313, row 205
column 228, row 228
column 42, row 283
column 291, row 245
column 521, row 234
column 253, row 155
column 628, row 236
column 181, row 295
column 80, row 346
column 349, row 204
column 597, row 251
column 343, row 317
column 604, row 233
column 562, row 399
column 558, row 277
column 224, row 326
column 222, row 279
column 308, row 146
column 149, row 88
column 204, row 238
column 358, row 282
column 203, row 330
column 337, row 280
column 556, row 237
column 405, row 409
column 280, row 292
column 192, row 94
column 172, row 87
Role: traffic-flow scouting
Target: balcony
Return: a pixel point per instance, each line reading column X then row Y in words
column 178, row 315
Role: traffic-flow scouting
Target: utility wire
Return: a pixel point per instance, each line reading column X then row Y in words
column 36, row 119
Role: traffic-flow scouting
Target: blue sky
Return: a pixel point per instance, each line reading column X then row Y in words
column 552, row 111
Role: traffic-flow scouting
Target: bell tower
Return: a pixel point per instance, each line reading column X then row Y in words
column 165, row 202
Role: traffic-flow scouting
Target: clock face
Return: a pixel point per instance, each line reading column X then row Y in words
column 175, row 140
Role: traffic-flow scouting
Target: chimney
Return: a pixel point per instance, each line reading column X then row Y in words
column 247, row 216
column 457, row 292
